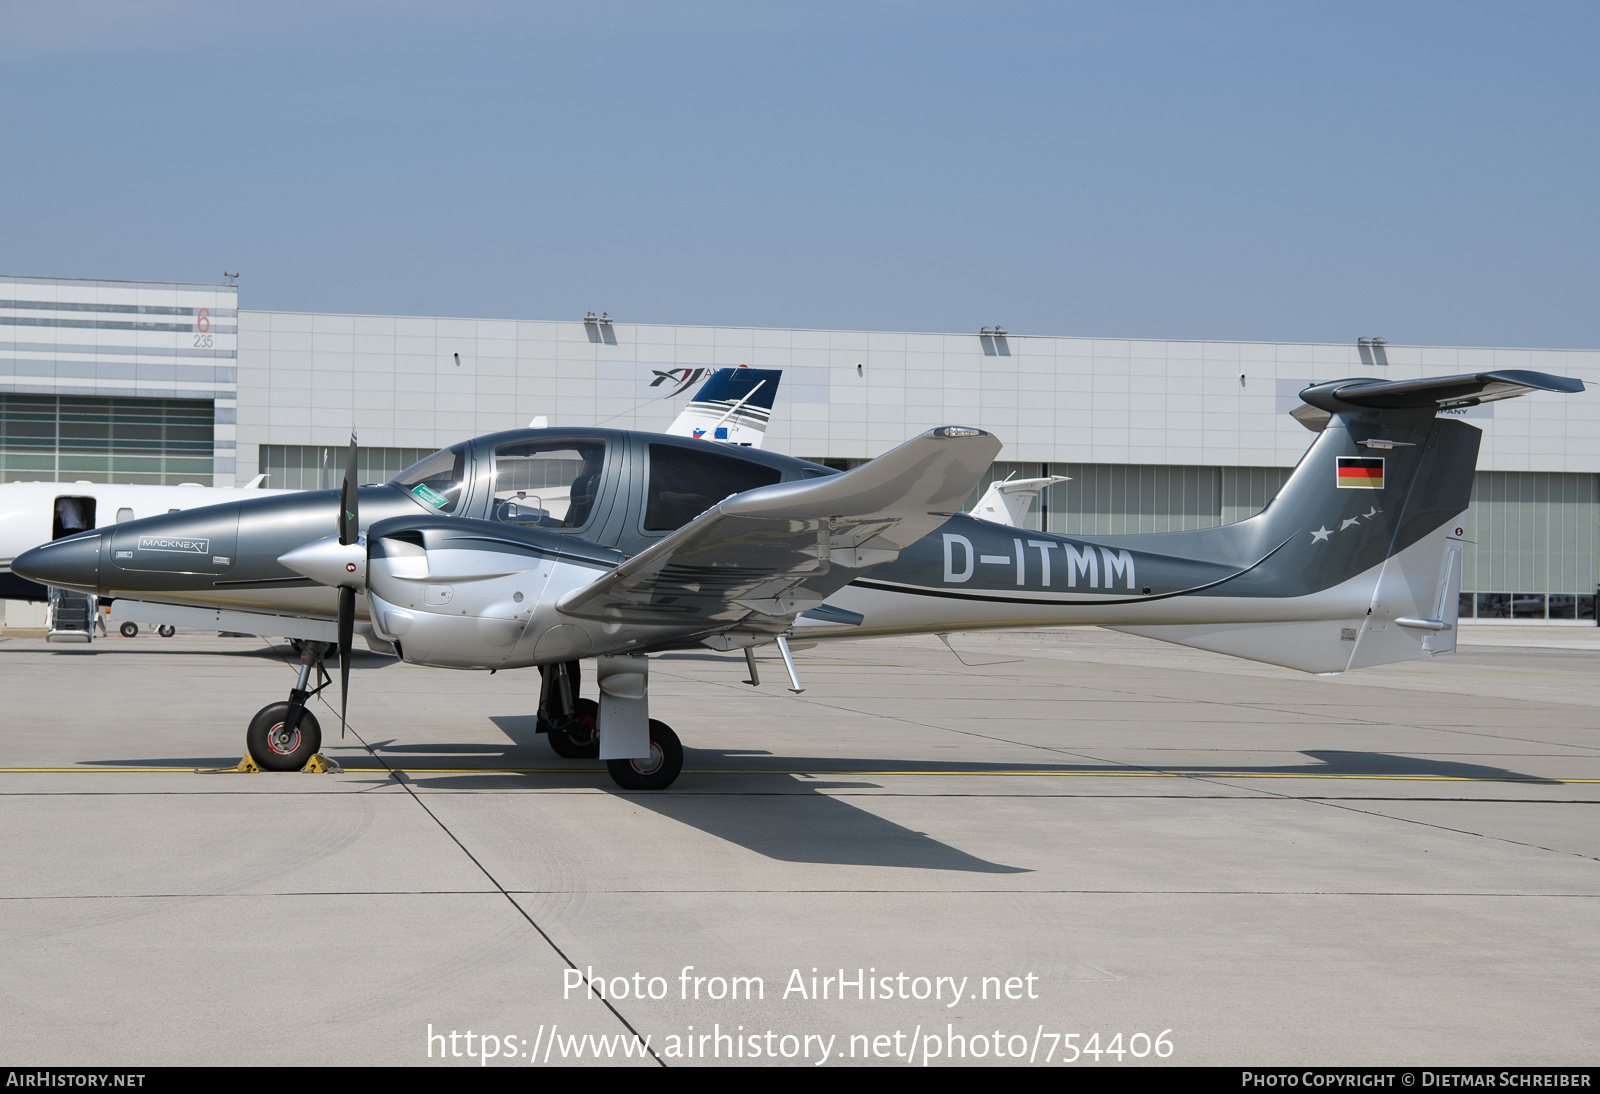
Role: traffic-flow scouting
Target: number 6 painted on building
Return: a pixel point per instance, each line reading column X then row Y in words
column 203, row 323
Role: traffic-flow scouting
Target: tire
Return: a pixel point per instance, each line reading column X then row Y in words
column 269, row 753
column 577, row 740
column 666, row 760
column 129, row 630
column 166, row 630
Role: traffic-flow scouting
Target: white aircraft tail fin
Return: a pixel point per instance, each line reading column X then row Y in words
column 1009, row 501
column 733, row 406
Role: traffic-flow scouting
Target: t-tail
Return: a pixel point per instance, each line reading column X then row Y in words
column 1356, row 562
column 1360, row 552
column 733, row 406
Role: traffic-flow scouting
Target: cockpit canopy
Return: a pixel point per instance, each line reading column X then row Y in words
column 614, row 487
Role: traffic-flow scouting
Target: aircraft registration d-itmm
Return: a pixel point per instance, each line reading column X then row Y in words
column 538, row 548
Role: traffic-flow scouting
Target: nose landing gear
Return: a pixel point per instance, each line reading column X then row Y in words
column 286, row 736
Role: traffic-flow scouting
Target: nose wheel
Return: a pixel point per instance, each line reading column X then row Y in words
column 277, row 745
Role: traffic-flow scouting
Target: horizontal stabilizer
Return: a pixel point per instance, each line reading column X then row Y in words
column 1469, row 389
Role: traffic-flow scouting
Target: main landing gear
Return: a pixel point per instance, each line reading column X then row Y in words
column 286, row 736
column 656, row 773
column 572, row 725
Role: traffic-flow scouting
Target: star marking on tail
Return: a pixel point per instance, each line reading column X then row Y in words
column 1348, row 522
column 1321, row 535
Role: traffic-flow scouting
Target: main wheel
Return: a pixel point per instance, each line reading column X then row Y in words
column 577, row 739
column 129, row 629
column 166, row 630
column 275, row 747
column 656, row 773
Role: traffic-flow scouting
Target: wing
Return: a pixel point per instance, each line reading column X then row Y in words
column 760, row 558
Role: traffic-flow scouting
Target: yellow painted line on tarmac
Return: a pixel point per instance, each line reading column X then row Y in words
column 839, row 774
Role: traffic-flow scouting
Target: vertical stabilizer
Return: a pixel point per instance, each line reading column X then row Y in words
column 1361, row 549
column 733, row 407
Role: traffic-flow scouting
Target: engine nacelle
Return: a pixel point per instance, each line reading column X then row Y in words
column 466, row 594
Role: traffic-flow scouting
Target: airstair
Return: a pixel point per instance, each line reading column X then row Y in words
column 70, row 617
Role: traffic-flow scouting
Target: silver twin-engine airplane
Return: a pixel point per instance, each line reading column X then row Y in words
column 538, row 548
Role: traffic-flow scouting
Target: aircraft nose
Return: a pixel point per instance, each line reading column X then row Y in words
column 72, row 563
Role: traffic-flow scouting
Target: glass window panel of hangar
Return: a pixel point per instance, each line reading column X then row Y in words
column 138, row 441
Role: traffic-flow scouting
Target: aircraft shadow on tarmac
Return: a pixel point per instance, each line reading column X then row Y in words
column 776, row 806
column 777, row 813
column 1332, row 762
column 764, row 774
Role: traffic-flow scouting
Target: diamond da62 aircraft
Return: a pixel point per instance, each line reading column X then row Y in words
column 538, row 548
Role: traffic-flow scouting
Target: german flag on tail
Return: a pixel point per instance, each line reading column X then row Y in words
column 1360, row 473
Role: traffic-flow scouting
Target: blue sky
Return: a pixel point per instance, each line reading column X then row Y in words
column 1424, row 171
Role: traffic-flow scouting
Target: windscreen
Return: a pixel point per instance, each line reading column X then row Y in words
column 547, row 483
column 437, row 481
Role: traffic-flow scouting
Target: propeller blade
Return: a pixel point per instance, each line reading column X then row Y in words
column 347, row 626
column 349, row 506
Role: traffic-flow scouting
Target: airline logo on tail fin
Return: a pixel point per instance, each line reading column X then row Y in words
column 733, row 407
column 1360, row 473
column 677, row 379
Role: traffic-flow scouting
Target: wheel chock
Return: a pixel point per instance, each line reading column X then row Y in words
column 322, row 765
column 246, row 766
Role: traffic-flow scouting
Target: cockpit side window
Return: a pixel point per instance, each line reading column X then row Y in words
column 437, row 481
column 547, row 483
column 685, row 482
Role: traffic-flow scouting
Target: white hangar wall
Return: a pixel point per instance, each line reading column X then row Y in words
column 306, row 378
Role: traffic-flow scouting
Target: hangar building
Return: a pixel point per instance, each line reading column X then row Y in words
column 166, row 383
